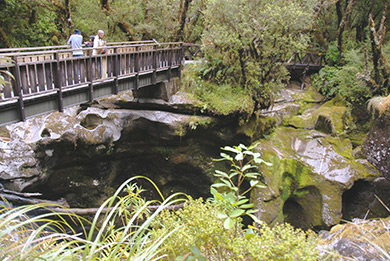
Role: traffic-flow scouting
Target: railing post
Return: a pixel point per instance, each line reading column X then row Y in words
column 136, row 68
column 154, row 65
column 182, row 59
column 90, row 77
column 116, row 71
column 19, row 90
column 58, row 81
column 170, row 62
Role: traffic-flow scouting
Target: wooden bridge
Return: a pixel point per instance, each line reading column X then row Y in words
column 302, row 64
column 48, row 79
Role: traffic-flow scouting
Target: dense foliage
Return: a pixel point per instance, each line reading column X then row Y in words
column 245, row 42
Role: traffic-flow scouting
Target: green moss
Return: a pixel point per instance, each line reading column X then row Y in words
column 257, row 126
column 222, row 99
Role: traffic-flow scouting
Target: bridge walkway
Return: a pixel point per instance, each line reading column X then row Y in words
column 50, row 80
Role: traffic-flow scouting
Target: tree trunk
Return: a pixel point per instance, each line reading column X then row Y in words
column 342, row 25
column 381, row 68
column 339, row 12
column 125, row 27
column 183, row 17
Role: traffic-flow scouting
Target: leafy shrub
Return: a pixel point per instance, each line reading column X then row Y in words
column 213, row 230
column 198, row 226
column 222, row 99
column 332, row 80
column 119, row 230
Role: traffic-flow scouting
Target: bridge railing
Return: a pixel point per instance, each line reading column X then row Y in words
column 42, row 71
column 307, row 58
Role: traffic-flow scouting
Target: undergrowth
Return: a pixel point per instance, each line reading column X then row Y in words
column 220, row 99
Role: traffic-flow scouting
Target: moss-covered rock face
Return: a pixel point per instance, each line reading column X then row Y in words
column 310, row 172
column 331, row 118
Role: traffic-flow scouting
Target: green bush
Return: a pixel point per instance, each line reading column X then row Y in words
column 343, row 80
column 197, row 226
column 222, row 99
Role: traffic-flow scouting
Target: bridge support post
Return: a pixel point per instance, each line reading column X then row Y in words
column 19, row 90
column 170, row 63
column 182, row 58
column 58, row 81
column 136, row 68
column 154, row 65
column 90, row 77
column 116, row 70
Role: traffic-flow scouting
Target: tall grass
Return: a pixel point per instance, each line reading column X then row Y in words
column 119, row 230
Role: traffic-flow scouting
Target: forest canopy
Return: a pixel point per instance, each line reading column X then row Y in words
column 245, row 42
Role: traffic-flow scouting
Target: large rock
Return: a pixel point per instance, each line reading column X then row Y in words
column 310, row 173
column 85, row 153
column 376, row 146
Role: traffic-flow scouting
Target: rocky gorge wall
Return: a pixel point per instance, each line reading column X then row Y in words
column 85, row 153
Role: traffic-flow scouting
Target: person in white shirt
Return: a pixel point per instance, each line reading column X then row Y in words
column 75, row 41
column 99, row 42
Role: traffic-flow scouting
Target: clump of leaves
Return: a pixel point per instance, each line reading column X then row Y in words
column 222, row 99
column 243, row 168
column 336, row 79
column 200, row 234
column 119, row 230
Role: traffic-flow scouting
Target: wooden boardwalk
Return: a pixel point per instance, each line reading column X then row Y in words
column 302, row 64
column 49, row 80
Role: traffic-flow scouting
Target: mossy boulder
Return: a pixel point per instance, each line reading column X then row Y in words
column 310, row 171
column 332, row 118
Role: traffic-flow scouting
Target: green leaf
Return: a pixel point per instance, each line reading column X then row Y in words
column 247, row 166
column 247, row 205
column 215, row 193
column 253, row 146
column 255, row 219
column 226, row 156
column 195, row 250
column 252, row 175
column 239, row 156
column 221, row 174
column 218, row 185
column 229, row 223
column 249, row 234
column 233, row 174
column 253, row 182
column 227, row 148
column 228, row 184
column 251, row 211
column 240, row 202
column 242, row 146
column 222, row 215
column 236, row 213
column 258, row 160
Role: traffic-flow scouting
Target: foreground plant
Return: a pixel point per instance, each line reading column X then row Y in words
column 203, row 229
column 200, row 235
column 119, row 230
column 243, row 168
